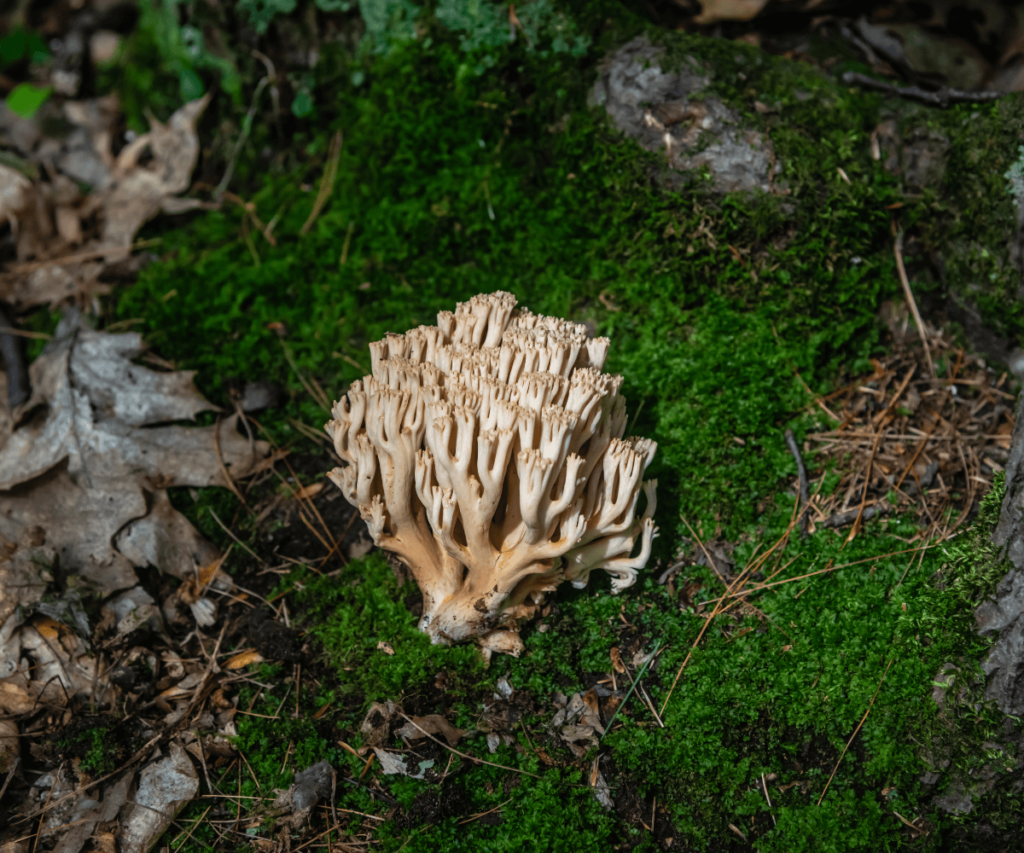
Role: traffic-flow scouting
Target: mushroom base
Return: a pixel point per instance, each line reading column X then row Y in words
column 490, row 617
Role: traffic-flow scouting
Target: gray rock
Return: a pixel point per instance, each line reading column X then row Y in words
column 1004, row 612
column 956, row 800
column 1005, row 663
column 312, row 785
column 672, row 112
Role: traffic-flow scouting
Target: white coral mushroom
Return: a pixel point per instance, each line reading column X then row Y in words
column 487, row 453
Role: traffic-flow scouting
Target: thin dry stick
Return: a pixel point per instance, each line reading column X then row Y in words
column 326, row 182
column 223, row 468
column 826, row 570
column 764, row 788
column 32, row 266
column 334, row 544
column 711, row 563
column 22, row 333
column 861, row 723
column 89, row 784
column 898, row 251
column 238, row 541
column 194, row 825
column 10, row 775
column 907, row 822
column 340, row 844
column 730, row 592
column 246, row 128
column 971, row 488
column 473, row 817
column 346, row 244
column 636, row 681
column 321, row 398
column 867, row 482
column 895, row 397
column 801, row 470
column 249, row 211
column 466, row 756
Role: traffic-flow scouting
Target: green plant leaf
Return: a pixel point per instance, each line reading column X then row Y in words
column 191, row 84
column 21, row 44
column 25, row 99
column 302, row 106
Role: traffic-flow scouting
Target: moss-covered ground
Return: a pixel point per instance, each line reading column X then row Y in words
column 727, row 315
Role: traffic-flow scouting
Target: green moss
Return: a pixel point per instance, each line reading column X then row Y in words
column 776, row 691
column 451, row 184
column 362, row 606
column 475, row 194
column 94, row 747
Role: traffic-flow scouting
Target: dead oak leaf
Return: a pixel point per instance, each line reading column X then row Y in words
column 88, row 462
column 58, row 260
column 23, row 575
column 431, row 724
column 139, row 189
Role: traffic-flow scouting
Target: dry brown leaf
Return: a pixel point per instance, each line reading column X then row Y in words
column 729, row 10
column 376, row 725
column 23, row 574
column 309, row 491
column 165, row 787
column 617, row 663
column 243, row 659
column 140, row 189
column 432, row 724
column 86, row 819
column 56, row 261
column 63, row 666
column 16, row 695
column 88, row 464
column 9, row 749
column 15, row 191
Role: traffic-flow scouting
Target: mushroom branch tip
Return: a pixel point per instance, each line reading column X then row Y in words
column 487, row 453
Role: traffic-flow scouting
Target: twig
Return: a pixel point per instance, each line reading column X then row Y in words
column 319, row 398
column 861, row 723
column 473, row 817
column 465, row 755
column 198, row 821
column 863, row 512
column 943, row 97
column 730, row 592
column 711, row 563
column 632, row 687
column 341, row 845
column 346, row 244
column 326, row 182
column 826, row 570
column 10, row 775
column 238, row 541
column 650, row 704
column 801, row 471
column 867, row 482
column 18, row 390
column 898, row 252
column 223, row 468
column 242, row 137
column 764, row 788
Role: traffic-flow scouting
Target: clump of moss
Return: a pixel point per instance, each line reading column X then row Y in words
column 364, row 605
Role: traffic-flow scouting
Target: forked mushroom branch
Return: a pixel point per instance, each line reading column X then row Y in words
column 487, row 453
